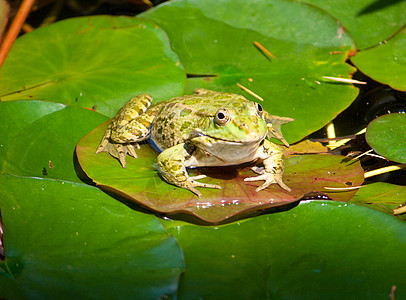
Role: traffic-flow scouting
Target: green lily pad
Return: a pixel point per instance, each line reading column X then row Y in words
column 140, row 182
column 386, row 135
column 68, row 240
column 385, row 63
column 16, row 116
column 97, row 62
column 57, row 229
column 215, row 43
column 40, row 137
column 317, row 250
column 381, row 196
column 369, row 21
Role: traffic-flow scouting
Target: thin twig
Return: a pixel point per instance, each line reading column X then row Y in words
column 346, row 80
column 263, row 49
column 250, row 92
column 343, row 188
column 400, row 210
column 384, row 170
column 369, row 154
column 344, row 141
column 15, row 29
column 331, row 132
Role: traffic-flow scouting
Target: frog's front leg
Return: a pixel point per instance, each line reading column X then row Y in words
column 274, row 164
column 171, row 164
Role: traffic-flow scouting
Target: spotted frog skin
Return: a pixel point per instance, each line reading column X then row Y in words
column 205, row 129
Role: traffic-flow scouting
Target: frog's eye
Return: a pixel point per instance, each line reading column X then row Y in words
column 260, row 110
column 222, row 117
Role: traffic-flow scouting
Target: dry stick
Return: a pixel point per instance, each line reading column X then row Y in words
column 384, row 170
column 250, row 92
column 15, row 29
column 346, row 80
column 331, row 132
column 263, row 49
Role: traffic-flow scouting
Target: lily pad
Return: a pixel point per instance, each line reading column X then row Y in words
column 317, row 250
column 97, row 62
column 215, row 41
column 381, row 196
column 17, row 116
column 67, row 240
column 385, row 63
column 386, row 135
column 40, row 137
column 369, row 21
column 49, row 236
column 140, row 182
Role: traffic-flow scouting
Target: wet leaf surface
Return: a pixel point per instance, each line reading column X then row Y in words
column 385, row 63
column 40, row 137
column 317, row 250
column 386, row 135
column 141, row 183
column 215, row 43
column 381, row 196
column 69, row 240
column 124, row 57
column 369, row 21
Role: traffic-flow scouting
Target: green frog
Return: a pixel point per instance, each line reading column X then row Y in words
column 205, row 129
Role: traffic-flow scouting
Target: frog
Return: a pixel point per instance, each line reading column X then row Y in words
column 205, row 129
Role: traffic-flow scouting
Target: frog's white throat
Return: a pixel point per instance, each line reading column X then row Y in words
column 216, row 152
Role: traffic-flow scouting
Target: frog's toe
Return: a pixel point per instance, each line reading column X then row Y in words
column 282, row 184
column 258, row 170
column 269, row 179
column 192, row 184
column 121, row 154
column 198, row 177
column 102, row 146
column 206, row 185
column 131, row 149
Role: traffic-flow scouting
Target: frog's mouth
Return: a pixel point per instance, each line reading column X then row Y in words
column 221, row 151
column 198, row 133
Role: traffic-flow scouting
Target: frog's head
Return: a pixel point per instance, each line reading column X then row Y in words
column 240, row 123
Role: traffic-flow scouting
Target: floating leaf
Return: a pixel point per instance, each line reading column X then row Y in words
column 68, row 240
column 40, row 137
column 56, row 230
column 317, row 250
column 97, row 62
column 140, row 182
column 306, row 146
column 386, row 135
column 382, row 196
column 18, row 115
column 369, row 21
column 386, row 62
column 215, row 42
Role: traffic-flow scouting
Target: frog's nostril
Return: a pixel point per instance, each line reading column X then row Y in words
column 243, row 125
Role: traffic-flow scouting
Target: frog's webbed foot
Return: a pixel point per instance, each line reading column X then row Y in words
column 272, row 170
column 118, row 150
column 269, row 179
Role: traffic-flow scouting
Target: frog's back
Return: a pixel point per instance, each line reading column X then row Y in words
column 178, row 117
